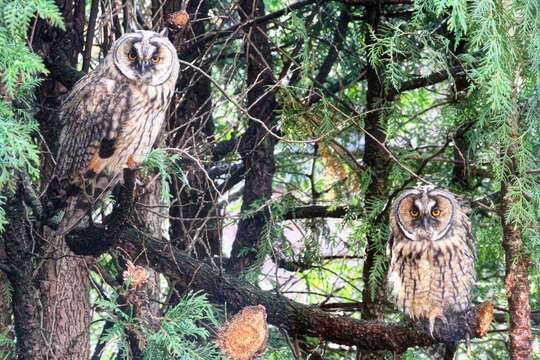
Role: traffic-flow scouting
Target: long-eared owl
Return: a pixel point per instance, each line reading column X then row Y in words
column 432, row 254
column 112, row 115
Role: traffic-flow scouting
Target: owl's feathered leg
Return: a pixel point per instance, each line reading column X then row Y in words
column 450, row 351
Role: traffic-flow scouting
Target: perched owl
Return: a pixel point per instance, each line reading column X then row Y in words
column 432, row 254
column 112, row 115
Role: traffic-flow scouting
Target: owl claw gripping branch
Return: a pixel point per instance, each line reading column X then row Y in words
column 112, row 115
column 432, row 255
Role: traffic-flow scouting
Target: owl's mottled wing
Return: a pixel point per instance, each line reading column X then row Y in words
column 91, row 118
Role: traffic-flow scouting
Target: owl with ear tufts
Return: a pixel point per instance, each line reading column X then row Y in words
column 432, row 254
column 112, row 115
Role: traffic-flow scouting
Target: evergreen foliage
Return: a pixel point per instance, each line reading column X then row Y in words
column 180, row 335
column 20, row 69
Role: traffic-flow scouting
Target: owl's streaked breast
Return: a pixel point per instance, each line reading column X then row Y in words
column 139, row 130
column 431, row 272
column 428, row 278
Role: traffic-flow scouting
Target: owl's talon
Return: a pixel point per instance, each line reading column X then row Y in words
column 432, row 320
column 431, row 326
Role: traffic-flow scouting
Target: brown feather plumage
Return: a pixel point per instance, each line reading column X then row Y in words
column 111, row 114
column 432, row 258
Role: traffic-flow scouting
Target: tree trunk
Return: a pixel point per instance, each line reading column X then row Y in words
column 64, row 282
column 26, row 304
column 256, row 146
column 6, row 323
column 517, row 287
column 516, row 279
column 377, row 160
column 194, row 214
column 64, row 285
column 153, row 221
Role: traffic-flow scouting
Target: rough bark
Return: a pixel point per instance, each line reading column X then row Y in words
column 516, row 283
column 153, row 214
column 26, row 304
column 63, row 277
column 316, row 211
column 461, row 170
column 256, row 145
column 376, row 158
column 64, row 286
column 6, row 323
column 377, row 161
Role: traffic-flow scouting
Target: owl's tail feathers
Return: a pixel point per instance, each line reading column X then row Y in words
column 76, row 210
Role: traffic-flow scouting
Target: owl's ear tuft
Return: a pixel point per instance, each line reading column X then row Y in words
column 164, row 32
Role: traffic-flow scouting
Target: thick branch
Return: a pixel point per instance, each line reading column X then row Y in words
column 256, row 148
column 91, row 28
column 384, row 2
column 295, row 318
column 377, row 160
column 516, row 281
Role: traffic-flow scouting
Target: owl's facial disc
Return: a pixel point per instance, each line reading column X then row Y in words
column 425, row 216
column 144, row 56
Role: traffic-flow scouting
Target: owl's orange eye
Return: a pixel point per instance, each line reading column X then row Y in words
column 132, row 56
column 435, row 212
column 155, row 59
column 414, row 212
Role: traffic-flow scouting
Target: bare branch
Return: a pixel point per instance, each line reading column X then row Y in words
column 316, row 211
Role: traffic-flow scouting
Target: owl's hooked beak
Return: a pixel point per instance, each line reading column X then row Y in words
column 424, row 222
column 143, row 65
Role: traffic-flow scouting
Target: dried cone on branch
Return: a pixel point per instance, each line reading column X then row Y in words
column 244, row 337
column 179, row 19
column 135, row 275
